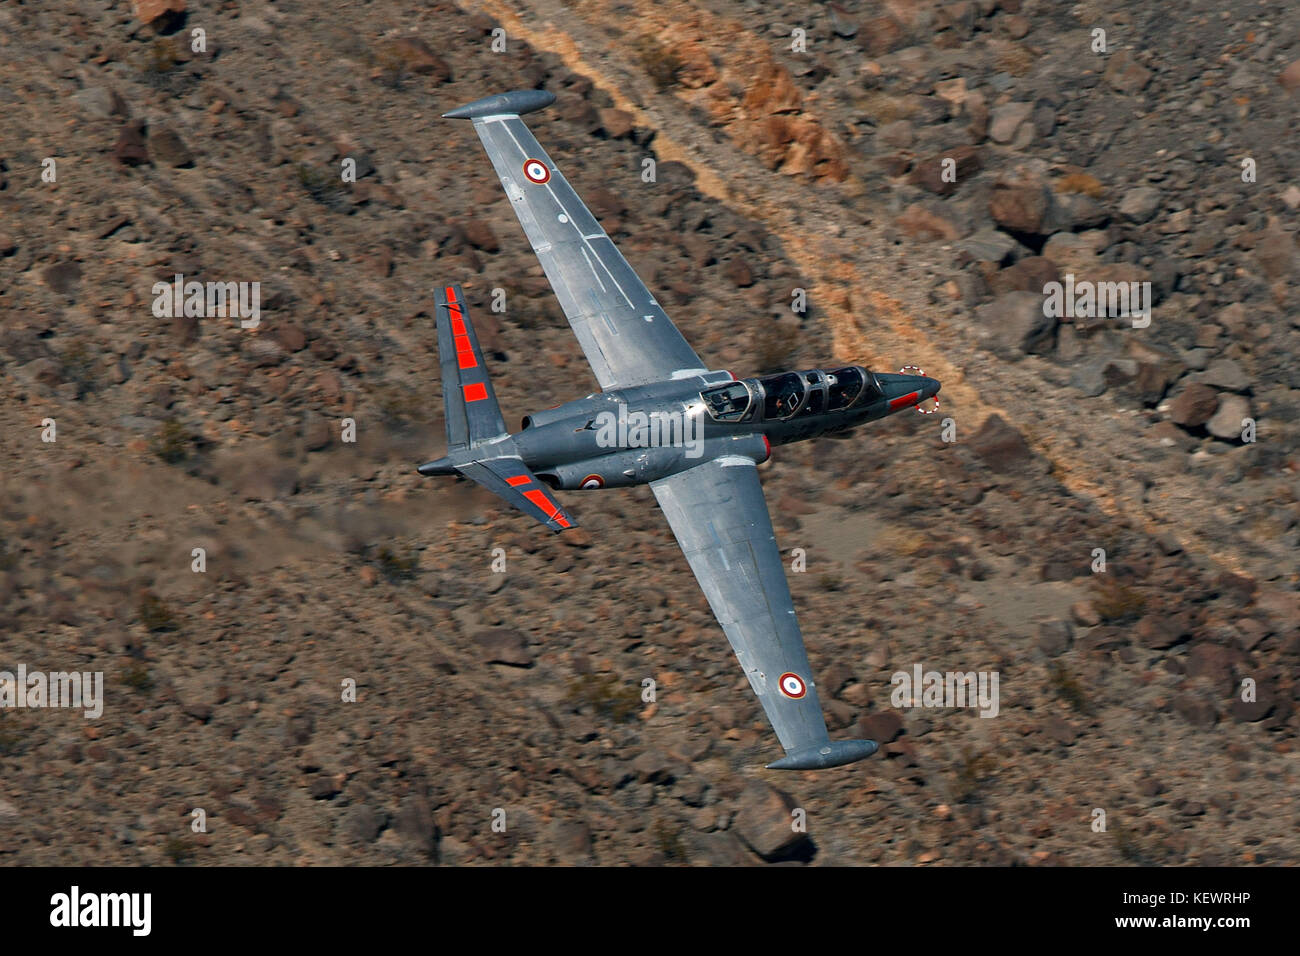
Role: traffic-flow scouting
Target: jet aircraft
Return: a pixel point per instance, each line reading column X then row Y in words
column 662, row 418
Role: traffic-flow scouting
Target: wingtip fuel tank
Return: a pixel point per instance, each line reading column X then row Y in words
column 515, row 102
column 833, row 753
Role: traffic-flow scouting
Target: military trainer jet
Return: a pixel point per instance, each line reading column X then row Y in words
column 693, row 435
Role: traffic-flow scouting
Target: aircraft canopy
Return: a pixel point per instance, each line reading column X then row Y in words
column 790, row 394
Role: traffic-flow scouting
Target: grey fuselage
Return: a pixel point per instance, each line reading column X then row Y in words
column 637, row 435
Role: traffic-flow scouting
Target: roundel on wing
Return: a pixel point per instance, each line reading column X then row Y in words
column 792, row 686
column 535, row 171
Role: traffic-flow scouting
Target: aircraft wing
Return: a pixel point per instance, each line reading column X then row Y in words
column 719, row 515
column 625, row 334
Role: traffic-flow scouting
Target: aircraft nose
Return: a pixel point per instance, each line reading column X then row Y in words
column 904, row 391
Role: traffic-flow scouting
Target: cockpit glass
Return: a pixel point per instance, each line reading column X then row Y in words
column 727, row 403
column 845, row 385
column 784, row 393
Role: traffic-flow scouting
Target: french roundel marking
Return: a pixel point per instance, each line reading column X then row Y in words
column 792, row 686
column 535, row 171
column 593, row 481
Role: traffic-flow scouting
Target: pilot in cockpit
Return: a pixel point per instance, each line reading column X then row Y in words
column 727, row 402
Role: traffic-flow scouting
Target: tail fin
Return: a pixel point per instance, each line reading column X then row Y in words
column 507, row 477
column 473, row 416
column 478, row 445
column 510, row 479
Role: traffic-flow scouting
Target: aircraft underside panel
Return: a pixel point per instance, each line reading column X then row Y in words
column 719, row 515
column 625, row 334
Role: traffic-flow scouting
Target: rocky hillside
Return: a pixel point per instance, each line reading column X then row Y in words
column 130, row 153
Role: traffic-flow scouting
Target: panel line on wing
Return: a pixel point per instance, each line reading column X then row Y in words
column 569, row 219
column 593, row 270
column 633, row 342
column 720, row 519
